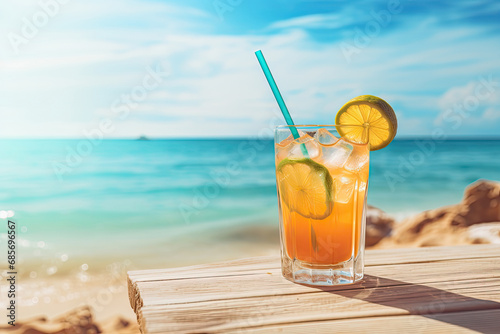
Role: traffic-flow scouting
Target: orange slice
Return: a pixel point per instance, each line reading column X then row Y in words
column 372, row 121
column 306, row 187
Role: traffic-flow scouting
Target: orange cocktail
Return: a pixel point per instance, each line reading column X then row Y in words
column 322, row 178
column 322, row 182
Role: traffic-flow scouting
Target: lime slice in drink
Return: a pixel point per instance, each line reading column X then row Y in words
column 306, row 187
column 373, row 121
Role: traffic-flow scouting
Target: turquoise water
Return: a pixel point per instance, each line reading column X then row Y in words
column 123, row 196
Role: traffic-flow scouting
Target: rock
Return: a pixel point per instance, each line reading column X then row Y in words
column 79, row 320
column 116, row 324
column 121, row 323
column 423, row 228
column 378, row 225
column 449, row 225
column 481, row 204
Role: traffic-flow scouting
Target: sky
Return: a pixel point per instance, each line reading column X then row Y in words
column 175, row 69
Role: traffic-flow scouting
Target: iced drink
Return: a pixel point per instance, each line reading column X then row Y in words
column 322, row 182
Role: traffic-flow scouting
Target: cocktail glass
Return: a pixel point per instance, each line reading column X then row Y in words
column 322, row 182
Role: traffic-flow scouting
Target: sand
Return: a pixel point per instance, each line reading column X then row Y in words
column 71, row 304
column 82, row 300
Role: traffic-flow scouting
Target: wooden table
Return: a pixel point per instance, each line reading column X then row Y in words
column 422, row 290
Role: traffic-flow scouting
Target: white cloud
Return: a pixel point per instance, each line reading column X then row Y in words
column 74, row 71
column 474, row 102
column 492, row 114
column 315, row 21
column 456, row 95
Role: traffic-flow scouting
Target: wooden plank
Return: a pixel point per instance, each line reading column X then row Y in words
column 225, row 267
column 270, row 282
column 372, row 257
column 429, row 254
column 231, row 314
column 231, row 295
column 221, row 269
column 268, row 263
column 486, row 321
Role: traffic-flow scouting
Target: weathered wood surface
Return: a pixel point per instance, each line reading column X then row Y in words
column 422, row 290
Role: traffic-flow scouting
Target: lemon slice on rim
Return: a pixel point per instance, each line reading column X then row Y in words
column 306, row 187
column 373, row 121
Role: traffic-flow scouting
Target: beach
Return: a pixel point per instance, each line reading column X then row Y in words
column 140, row 135
column 51, row 296
column 158, row 204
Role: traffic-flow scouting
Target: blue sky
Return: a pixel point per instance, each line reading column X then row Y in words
column 436, row 62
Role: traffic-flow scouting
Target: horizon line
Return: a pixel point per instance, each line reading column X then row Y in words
column 146, row 138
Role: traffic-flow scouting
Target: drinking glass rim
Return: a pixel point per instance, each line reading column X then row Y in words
column 317, row 126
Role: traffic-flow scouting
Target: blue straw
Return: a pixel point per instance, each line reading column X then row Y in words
column 279, row 99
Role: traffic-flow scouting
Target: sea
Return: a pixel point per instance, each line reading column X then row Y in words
column 159, row 203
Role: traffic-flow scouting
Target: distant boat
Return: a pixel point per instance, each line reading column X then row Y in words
column 143, row 138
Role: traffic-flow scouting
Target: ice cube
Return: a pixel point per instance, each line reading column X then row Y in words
column 295, row 148
column 300, row 145
column 335, row 156
column 288, row 140
column 324, row 137
column 358, row 159
column 283, row 148
column 345, row 184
